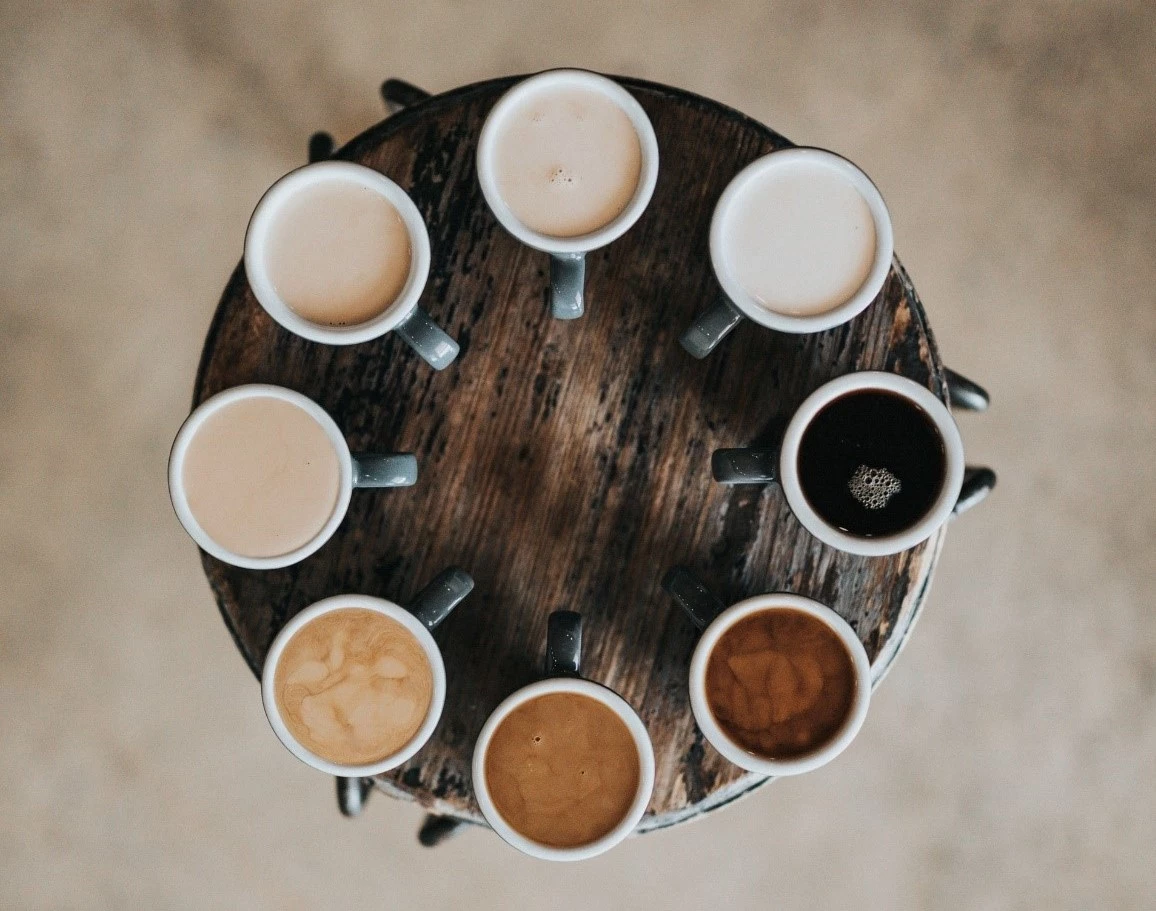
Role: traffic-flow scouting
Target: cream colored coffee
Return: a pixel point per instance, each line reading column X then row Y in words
column 338, row 253
column 567, row 161
column 800, row 239
column 353, row 686
column 261, row 477
column 563, row 769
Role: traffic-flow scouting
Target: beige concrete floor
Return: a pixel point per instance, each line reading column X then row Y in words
column 1008, row 761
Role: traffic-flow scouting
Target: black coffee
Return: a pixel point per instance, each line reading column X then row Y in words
column 872, row 463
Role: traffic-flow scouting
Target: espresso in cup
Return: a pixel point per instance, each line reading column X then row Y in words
column 871, row 463
column 260, row 476
column 779, row 684
column 563, row 769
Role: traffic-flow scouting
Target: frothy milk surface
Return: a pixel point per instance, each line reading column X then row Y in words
column 338, row 253
column 353, row 686
column 800, row 238
column 261, row 477
column 567, row 161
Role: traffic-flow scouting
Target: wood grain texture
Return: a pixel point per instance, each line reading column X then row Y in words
column 567, row 464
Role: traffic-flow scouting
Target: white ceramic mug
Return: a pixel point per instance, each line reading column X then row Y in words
column 765, row 466
column 709, row 614
column 714, row 325
column 420, row 618
column 403, row 316
column 563, row 666
column 568, row 254
column 361, row 470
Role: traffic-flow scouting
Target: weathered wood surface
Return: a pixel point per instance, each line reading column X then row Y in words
column 567, row 464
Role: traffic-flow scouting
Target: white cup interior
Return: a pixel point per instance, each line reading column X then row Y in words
column 544, row 82
column 344, row 602
column 265, row 217
column 737, row 293
column 732, row 750
column 882, row 545
column 645, row 761
column 189, row 430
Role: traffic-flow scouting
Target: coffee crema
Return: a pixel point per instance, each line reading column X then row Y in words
column 567, row 161
column 872, row 463
column 353, row 686
column 563, row 769
column 800, row 238
column 261, row 476
column 780, row 683
column 339, row 253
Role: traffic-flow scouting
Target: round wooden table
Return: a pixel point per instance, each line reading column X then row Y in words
column 567, row 464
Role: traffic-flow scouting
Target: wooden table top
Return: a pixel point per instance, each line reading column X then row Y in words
column 567, row 464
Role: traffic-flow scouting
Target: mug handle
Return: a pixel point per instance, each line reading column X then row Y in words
column 435, row 602
column 745, row 466
column 700, row 603
column 428, row 339
column 567, row 281
column 710, row 328
column 564, row 644
column 394, row 469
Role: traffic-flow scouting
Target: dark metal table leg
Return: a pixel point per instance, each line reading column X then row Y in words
column 965, row 394
column 978, row 482
column 352, row 794
column 398, row 94
column 320, row 147
column 436, row 829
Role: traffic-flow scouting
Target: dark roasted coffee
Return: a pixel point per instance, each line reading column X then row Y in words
column 780, row 683
column 872, row 463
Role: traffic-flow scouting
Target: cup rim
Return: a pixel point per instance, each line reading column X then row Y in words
column 256, row 239
column 876, row 276
column 638, row 731
column 647, row 177
column 713, row 731
column 344, row 602
column 189, row 430
column 936, row 515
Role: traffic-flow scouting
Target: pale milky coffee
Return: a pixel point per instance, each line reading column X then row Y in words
column 567, row 161
column 338, row 253
column 353, row 686
column 800, row 239
column 261, row 477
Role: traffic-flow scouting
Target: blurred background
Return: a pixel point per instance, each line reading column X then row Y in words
column 1008, row 760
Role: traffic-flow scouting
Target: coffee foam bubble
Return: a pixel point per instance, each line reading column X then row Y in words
column 873, row 488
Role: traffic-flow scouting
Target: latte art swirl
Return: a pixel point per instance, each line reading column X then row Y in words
column 353, row 686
